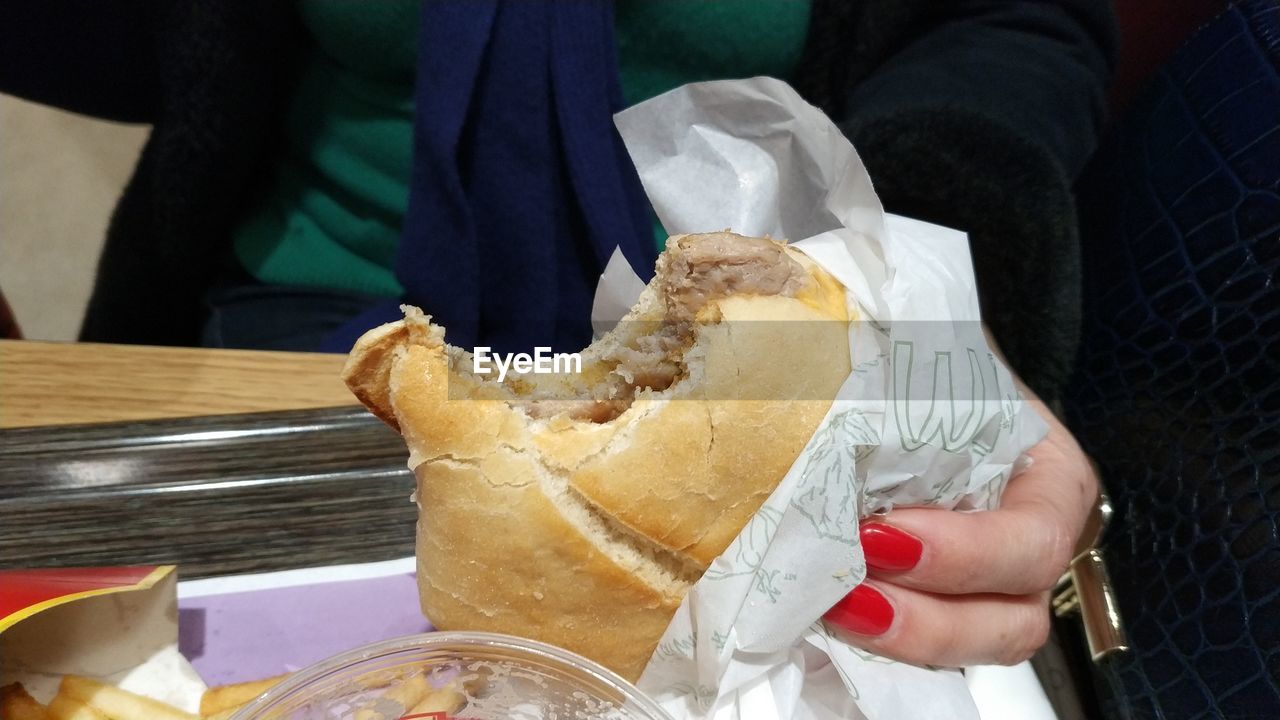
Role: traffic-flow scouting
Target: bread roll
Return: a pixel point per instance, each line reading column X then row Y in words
column 578, row 509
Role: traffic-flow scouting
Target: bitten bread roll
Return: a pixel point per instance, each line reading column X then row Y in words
column 578, row 509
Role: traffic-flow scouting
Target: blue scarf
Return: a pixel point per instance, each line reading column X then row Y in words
column 521, row 186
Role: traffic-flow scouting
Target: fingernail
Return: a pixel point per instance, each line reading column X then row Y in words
column 864, row 611
column 888, row 548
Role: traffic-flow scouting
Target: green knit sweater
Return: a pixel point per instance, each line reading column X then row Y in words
column 332, row 215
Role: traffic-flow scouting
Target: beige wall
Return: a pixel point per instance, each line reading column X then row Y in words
column 60, row 176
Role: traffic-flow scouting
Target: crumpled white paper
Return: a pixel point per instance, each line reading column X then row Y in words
column 747, row 642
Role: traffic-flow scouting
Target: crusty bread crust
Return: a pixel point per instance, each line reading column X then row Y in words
column 587, row 535
column 368, row 369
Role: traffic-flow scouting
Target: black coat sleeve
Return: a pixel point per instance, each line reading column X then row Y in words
column 981, row 121
column 96, row 57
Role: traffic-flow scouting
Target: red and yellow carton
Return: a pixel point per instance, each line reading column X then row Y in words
column 119, row 625
column 23, row 593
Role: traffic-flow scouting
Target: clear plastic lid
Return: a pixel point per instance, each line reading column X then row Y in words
column 463, row 675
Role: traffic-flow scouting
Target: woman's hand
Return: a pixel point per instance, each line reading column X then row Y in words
column 956, row 589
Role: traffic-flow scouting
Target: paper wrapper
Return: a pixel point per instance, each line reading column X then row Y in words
column 747, row 642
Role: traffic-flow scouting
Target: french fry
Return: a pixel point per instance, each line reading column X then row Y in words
column 226, row 697
column 445, row 700
column 410, row 692
column 64, row 707
column 405, row 695
column 118, row 704
column 17, row 704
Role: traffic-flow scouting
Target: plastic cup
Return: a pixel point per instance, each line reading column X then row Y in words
column 464, row 675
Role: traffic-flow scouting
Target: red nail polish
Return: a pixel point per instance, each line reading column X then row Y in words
column 888, row 548
column 863, row 611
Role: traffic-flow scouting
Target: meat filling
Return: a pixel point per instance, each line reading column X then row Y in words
column 696, row 270
column 707, row 267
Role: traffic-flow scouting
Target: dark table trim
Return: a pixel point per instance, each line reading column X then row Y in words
column 216, row 495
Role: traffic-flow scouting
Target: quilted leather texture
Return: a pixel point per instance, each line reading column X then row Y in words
column 1177, row 393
